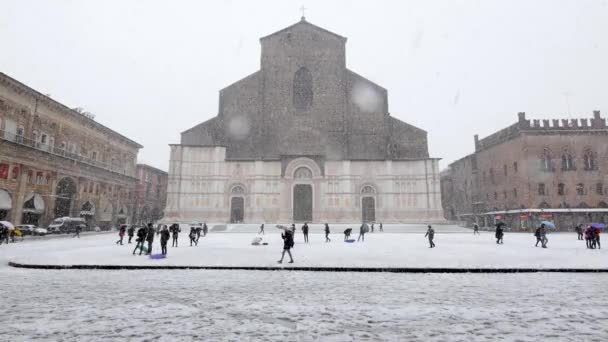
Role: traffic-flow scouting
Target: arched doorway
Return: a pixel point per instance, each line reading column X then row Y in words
column 302, row 195
column 237, row 204
column 66, row 192
column 237, row 209
column 33, row 208
column 368, row 204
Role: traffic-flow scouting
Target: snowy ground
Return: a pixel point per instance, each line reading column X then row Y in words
column 379, row 250
column 196, row 305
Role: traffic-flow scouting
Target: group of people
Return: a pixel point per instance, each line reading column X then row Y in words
column 145, row 234
column 591, row 235
column 7, row 235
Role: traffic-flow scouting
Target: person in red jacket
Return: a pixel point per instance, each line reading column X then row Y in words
column 121, row 234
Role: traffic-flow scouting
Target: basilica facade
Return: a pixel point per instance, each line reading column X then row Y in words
column 303, row 139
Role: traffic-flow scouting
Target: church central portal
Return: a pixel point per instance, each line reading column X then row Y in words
column 302, row 203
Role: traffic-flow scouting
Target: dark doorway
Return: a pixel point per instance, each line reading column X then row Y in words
column 368, row 206
column 302, row 203
column 66, row 191
column 237, row 209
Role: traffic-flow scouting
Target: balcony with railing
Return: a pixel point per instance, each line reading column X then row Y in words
column 60, row 152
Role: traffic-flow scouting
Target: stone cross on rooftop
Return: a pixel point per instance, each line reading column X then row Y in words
column 303, row 10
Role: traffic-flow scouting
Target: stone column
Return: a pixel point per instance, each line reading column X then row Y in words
column 17, row 210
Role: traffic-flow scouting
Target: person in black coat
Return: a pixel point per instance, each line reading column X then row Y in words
column 205, row 229
column 499, row 233
column 141, row 237
column 327, row 239
column 261, row 229
column 130, row 232
column 198, row 230
column 537, row 235
column 164, row 238
column 347, row 232
column 192, row 236
column 430, row 233
column 121, row 234
column 579, row 231
column 150, row 238
column 175, row 230
column 287, row 245
column 305, row 232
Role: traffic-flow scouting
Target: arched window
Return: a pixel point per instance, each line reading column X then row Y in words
column 589, row 160
column 302, row 173
column 580, row 189
column 567, row 161
column 545, row 160
column 302, row 89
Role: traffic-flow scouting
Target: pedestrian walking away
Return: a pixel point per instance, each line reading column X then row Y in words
column 205, row 229
column 305, row 232
column 261, row 229
column 380, row 227
column 475, row 229
column 164, row 238
column 347, row 232
column 287, row 237
column 362, row 230
column 596, row 235
column 499, row 233
column 327, row 239
column 198, row 231
column 175, row 230
column 77, row 232
column 150, row 238
column 141, row 238
column 130, row 232
column 537, row 235
column 372, row 227
column 579, row 231
column 543, row 235
column 121, row 234
column 430, row 233
column 192, row 236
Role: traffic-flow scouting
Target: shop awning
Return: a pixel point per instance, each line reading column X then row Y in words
column 33, row 204
column 5, row 200
column 87, row 209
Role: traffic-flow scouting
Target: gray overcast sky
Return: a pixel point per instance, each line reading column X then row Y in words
column 152, row 69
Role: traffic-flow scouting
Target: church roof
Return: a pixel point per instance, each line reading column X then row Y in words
column 305, row 23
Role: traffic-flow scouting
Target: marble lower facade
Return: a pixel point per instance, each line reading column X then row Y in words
column 204, row 186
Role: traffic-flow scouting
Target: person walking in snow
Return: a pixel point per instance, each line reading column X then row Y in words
column 372, row 227
column 596, row 238
column 305, row 232
column 287, row 237
column 327, row 239
column 537, row 235
column 150, row 238
column 475, row 229
column 205, row 229
column 164, row 238
column 347, row 232
column 130, row 232
column 141, row 238
column 175, row 230
column 579, row 231
column 430, row 233
column 380, row 227
column 77, row 232
column 121, row 234
column 362, row 230
column 192, row 236
column 261, row 229
column 543, row 235
column 499, row 233
column 198, row 230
